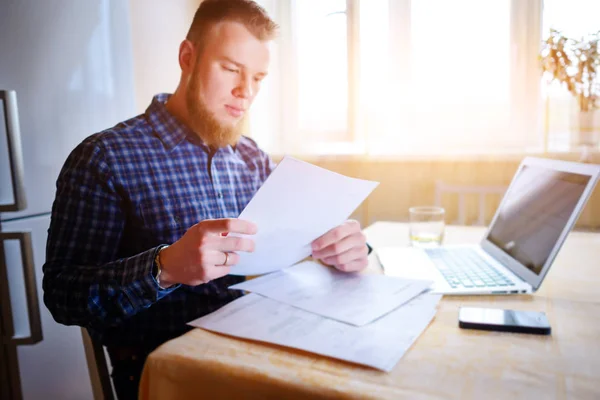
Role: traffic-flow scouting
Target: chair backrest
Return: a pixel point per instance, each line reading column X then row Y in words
column 97, row 367
column 443, row 189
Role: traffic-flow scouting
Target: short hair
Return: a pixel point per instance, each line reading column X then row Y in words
column 246, row 12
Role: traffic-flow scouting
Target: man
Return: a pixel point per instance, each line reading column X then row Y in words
column 138, row 242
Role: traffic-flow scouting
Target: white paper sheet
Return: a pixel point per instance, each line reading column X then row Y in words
column 379, row 345
column 297, row 203
column 353, row 298
column 407, row 262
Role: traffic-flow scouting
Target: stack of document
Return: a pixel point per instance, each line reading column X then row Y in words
column 365, row 319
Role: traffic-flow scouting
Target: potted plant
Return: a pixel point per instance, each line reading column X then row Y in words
column 576, row 65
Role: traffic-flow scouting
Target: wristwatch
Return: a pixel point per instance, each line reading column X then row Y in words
column 158, row 265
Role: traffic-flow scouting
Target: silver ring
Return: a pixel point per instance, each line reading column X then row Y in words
column 226, row 258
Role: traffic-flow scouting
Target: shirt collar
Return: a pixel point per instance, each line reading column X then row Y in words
column 169, row 129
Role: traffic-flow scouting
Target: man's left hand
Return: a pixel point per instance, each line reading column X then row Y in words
column 344, row 247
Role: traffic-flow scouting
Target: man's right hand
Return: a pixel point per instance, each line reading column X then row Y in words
column 205, row 252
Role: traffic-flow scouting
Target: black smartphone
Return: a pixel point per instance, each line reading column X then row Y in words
column 495, row 319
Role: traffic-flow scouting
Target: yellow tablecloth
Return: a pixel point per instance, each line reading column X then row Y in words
column 445, row 362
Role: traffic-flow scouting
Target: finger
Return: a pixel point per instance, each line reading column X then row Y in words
column 235, row 243
column 230, row 259
column 355, row 240
column 336, row 234
column 217, row 258
column 349, row 256
column 226, row 225
column 354, row 266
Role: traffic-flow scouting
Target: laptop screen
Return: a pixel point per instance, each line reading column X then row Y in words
column 535, row 212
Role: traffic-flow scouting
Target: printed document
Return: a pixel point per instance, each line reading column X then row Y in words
column 379, row 345
column 353, row 298
column 297, row 203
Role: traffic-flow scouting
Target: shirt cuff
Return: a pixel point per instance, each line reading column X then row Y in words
column 143, row 291
column 161, row 291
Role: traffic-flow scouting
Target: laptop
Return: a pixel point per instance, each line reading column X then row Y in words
column 537, row 212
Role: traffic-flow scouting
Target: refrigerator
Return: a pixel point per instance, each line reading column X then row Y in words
column 66, row 71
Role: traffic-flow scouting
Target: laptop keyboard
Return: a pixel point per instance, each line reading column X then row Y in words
column 466, row 268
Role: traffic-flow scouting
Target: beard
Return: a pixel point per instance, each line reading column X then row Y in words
column 203, row 122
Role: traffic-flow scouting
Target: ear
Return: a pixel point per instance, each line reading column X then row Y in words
column 186, row 56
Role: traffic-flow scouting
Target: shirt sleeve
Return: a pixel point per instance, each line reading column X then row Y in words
column 84, row 283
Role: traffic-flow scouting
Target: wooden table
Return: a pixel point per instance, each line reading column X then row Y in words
column 445, row 362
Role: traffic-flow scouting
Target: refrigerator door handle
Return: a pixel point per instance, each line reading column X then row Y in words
column 15, row 153
column 33, row 305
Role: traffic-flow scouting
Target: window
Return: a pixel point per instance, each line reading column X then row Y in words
column 322, row 74
column 448, row 87
column 405, row 77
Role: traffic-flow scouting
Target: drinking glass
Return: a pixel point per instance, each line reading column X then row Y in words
column 426, row 226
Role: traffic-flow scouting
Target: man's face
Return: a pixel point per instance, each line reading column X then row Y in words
column 225, row 79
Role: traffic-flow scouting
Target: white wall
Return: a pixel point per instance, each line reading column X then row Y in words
column 158, row 27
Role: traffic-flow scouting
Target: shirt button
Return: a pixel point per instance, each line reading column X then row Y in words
column 220, row 195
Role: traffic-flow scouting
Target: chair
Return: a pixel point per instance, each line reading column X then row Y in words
column 462, row 191
column 97, row 367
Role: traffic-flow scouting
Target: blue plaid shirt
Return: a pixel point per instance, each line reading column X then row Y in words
column 121, row 194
